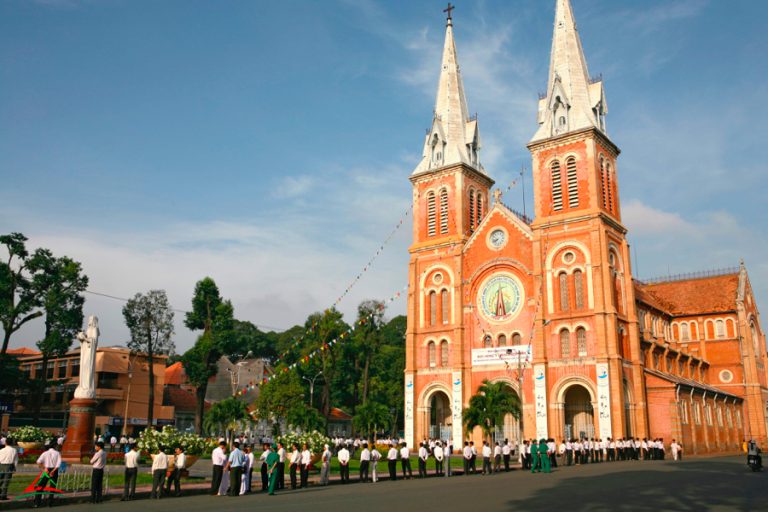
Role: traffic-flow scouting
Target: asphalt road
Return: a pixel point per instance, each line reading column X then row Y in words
column 700, row 484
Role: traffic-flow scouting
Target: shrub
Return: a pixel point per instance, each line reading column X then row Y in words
column 30, row 434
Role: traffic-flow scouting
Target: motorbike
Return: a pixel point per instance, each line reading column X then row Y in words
column 754, row 462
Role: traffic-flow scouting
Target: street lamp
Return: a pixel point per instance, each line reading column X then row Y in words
column 128, row 394
column 235, row 376
column 312, row 386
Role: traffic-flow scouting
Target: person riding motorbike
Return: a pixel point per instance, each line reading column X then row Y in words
column 754, row 459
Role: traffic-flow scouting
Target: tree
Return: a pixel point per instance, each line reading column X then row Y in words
column 280, row 398
column 488, row 407
column 387, row 366
column 249, row 338
column 226, row 415
column 306, row 418
column 150, row 319
column 214, row 316
column 59, row 284
column 367, row 338
column 18, row 302
column 370, row 418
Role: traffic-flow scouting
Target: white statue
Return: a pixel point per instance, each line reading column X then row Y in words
column 88, row 343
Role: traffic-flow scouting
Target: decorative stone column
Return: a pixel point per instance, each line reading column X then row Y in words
column 82, row 423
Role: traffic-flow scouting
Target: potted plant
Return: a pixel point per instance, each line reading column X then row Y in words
column 314, row 439
column 30, row 438
column 194, row 446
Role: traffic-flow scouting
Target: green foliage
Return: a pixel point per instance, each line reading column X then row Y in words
column 226, row 415
column 246, row 337
column 315, row 440
column 30, row 434
column 18, row 302
column 280, row 398
column 306, row 419
column 370, row 418
column 487, row 408
column 149, row 318
column 150, row 440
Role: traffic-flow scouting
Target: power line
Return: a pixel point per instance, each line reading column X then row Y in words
column 123, row 299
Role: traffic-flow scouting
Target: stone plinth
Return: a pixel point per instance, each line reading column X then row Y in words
column 82, row 422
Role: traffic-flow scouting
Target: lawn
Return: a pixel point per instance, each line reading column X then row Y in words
column 116, row 481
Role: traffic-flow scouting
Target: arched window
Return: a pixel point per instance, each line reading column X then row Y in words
column 565, row 343
column 720, row 328
column 694, row 331
column 573, row 183
column 445, row 305
column 444, row 353
column 431, row 214
column 563, row 281
column 479, row 209
column 578, row 288
column 557, row 187
column 443, row 211
column 755, row 339
column 471, row 210
column 609, row 186
column 432, row 308
column 603, row 187
column 581, row 341
column 502, row 340
column 685, row 333
column 487, row 341
column 516, row 338
column 432, row 355
column 656, row 360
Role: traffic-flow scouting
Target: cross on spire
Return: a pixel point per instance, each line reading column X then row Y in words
column 448, row 10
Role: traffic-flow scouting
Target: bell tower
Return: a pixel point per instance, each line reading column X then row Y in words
column 587, row 309
column 450, row 198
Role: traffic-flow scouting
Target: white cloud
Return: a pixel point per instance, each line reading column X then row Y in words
column 645, row 220
column 293, row 186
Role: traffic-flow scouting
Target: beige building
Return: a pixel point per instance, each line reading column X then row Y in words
column 122, row 389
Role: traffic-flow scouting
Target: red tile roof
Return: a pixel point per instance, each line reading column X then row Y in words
column 337, row 414
column 715, row 294
column 182, row 399
column 23, row 351
column 174, row 375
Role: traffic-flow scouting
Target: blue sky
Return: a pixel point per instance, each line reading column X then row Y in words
column 268, row 144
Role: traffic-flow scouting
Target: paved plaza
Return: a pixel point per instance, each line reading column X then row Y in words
column 722, row 483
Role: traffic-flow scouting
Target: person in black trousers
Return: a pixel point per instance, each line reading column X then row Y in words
column 98, row 461
column 281, row 466
column 218, row 459
column 295, row 460
column 264, row 468
column 131, row 470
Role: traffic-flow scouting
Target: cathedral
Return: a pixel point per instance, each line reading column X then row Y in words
column 549, row 306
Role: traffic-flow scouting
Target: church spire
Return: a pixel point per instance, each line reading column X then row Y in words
column 453, row 137
column 572, row 101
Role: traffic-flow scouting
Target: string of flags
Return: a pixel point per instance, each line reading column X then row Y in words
column 324, row 347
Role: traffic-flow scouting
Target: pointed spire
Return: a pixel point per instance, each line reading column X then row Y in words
column 572, row 101
column 454, row 137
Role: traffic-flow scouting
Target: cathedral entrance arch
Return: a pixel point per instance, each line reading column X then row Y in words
column 578, row 412
column 439, row 415
column 512, row 428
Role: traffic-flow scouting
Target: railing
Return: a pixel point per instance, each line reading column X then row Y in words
column 521, row 216
column 691, row 275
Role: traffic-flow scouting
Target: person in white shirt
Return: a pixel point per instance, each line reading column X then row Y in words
column 405, row 461
column 98, row 461
column 266, row 449
column 250, row 461
column 159, row 468
column 246, row 471
column 325, row 469
column 112, row 443
column 179, row 462
column 131, row 470
column 218, row 461
column 295, row 461
column 467, row 455
column 50, row 462
column 281, row 454
column 423, row 456
column 306, row 462
column 392, row 462
column 9, row 459
column 343, row 456
column 375, row 457
column 448, row 451
column 473, row 460
column 438, row 453
column 486, row 452
column 497, row 458
column 365, row 462
column 506, row 452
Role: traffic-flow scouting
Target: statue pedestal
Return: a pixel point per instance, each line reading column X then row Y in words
column 82, row 422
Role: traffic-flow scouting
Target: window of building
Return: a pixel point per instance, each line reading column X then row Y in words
column 609, row 185
column 573, row 183
column 431, row 353
column 516, row 339
column 487, row 341
column 684, row 412
column 581, row 341
column 479, row 209
column 719, row 416
column 565, row 343
column 471, row 210
column 50, row 370
column 685, row 334
column 656, row 361
column 432, row 308
column 603, row 187
column 60, row 397
column 697, row 413
column 755, row 339
column 557, row 187
column 443, row 211
column 431, row 215
column 578, row 288
column 106, row 380
column 502, row 340
column 563, row 281
column 445, row 305
column 62, row 371
column 708, row 413
column 444, row 353
column 738, row 418
column 680, row 367
column 729, row 418
column 75, row 368
column 720, row 328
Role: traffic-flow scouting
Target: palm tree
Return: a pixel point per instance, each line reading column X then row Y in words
column 487, row 408
column 226, row 415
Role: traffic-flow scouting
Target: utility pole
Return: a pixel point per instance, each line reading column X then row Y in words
column 312, row 386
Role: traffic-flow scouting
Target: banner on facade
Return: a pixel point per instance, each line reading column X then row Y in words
column 540, row 397
column 501, row 355
column 409, row 410
column 456, row 409
column 603, row 400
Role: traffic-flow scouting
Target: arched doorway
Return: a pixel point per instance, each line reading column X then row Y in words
column 512, row 428
column 439, row 416
column 579, row 414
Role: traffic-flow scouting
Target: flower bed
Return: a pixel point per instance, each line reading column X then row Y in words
column 314, row 439
column 30, row 434
column 151, row 440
